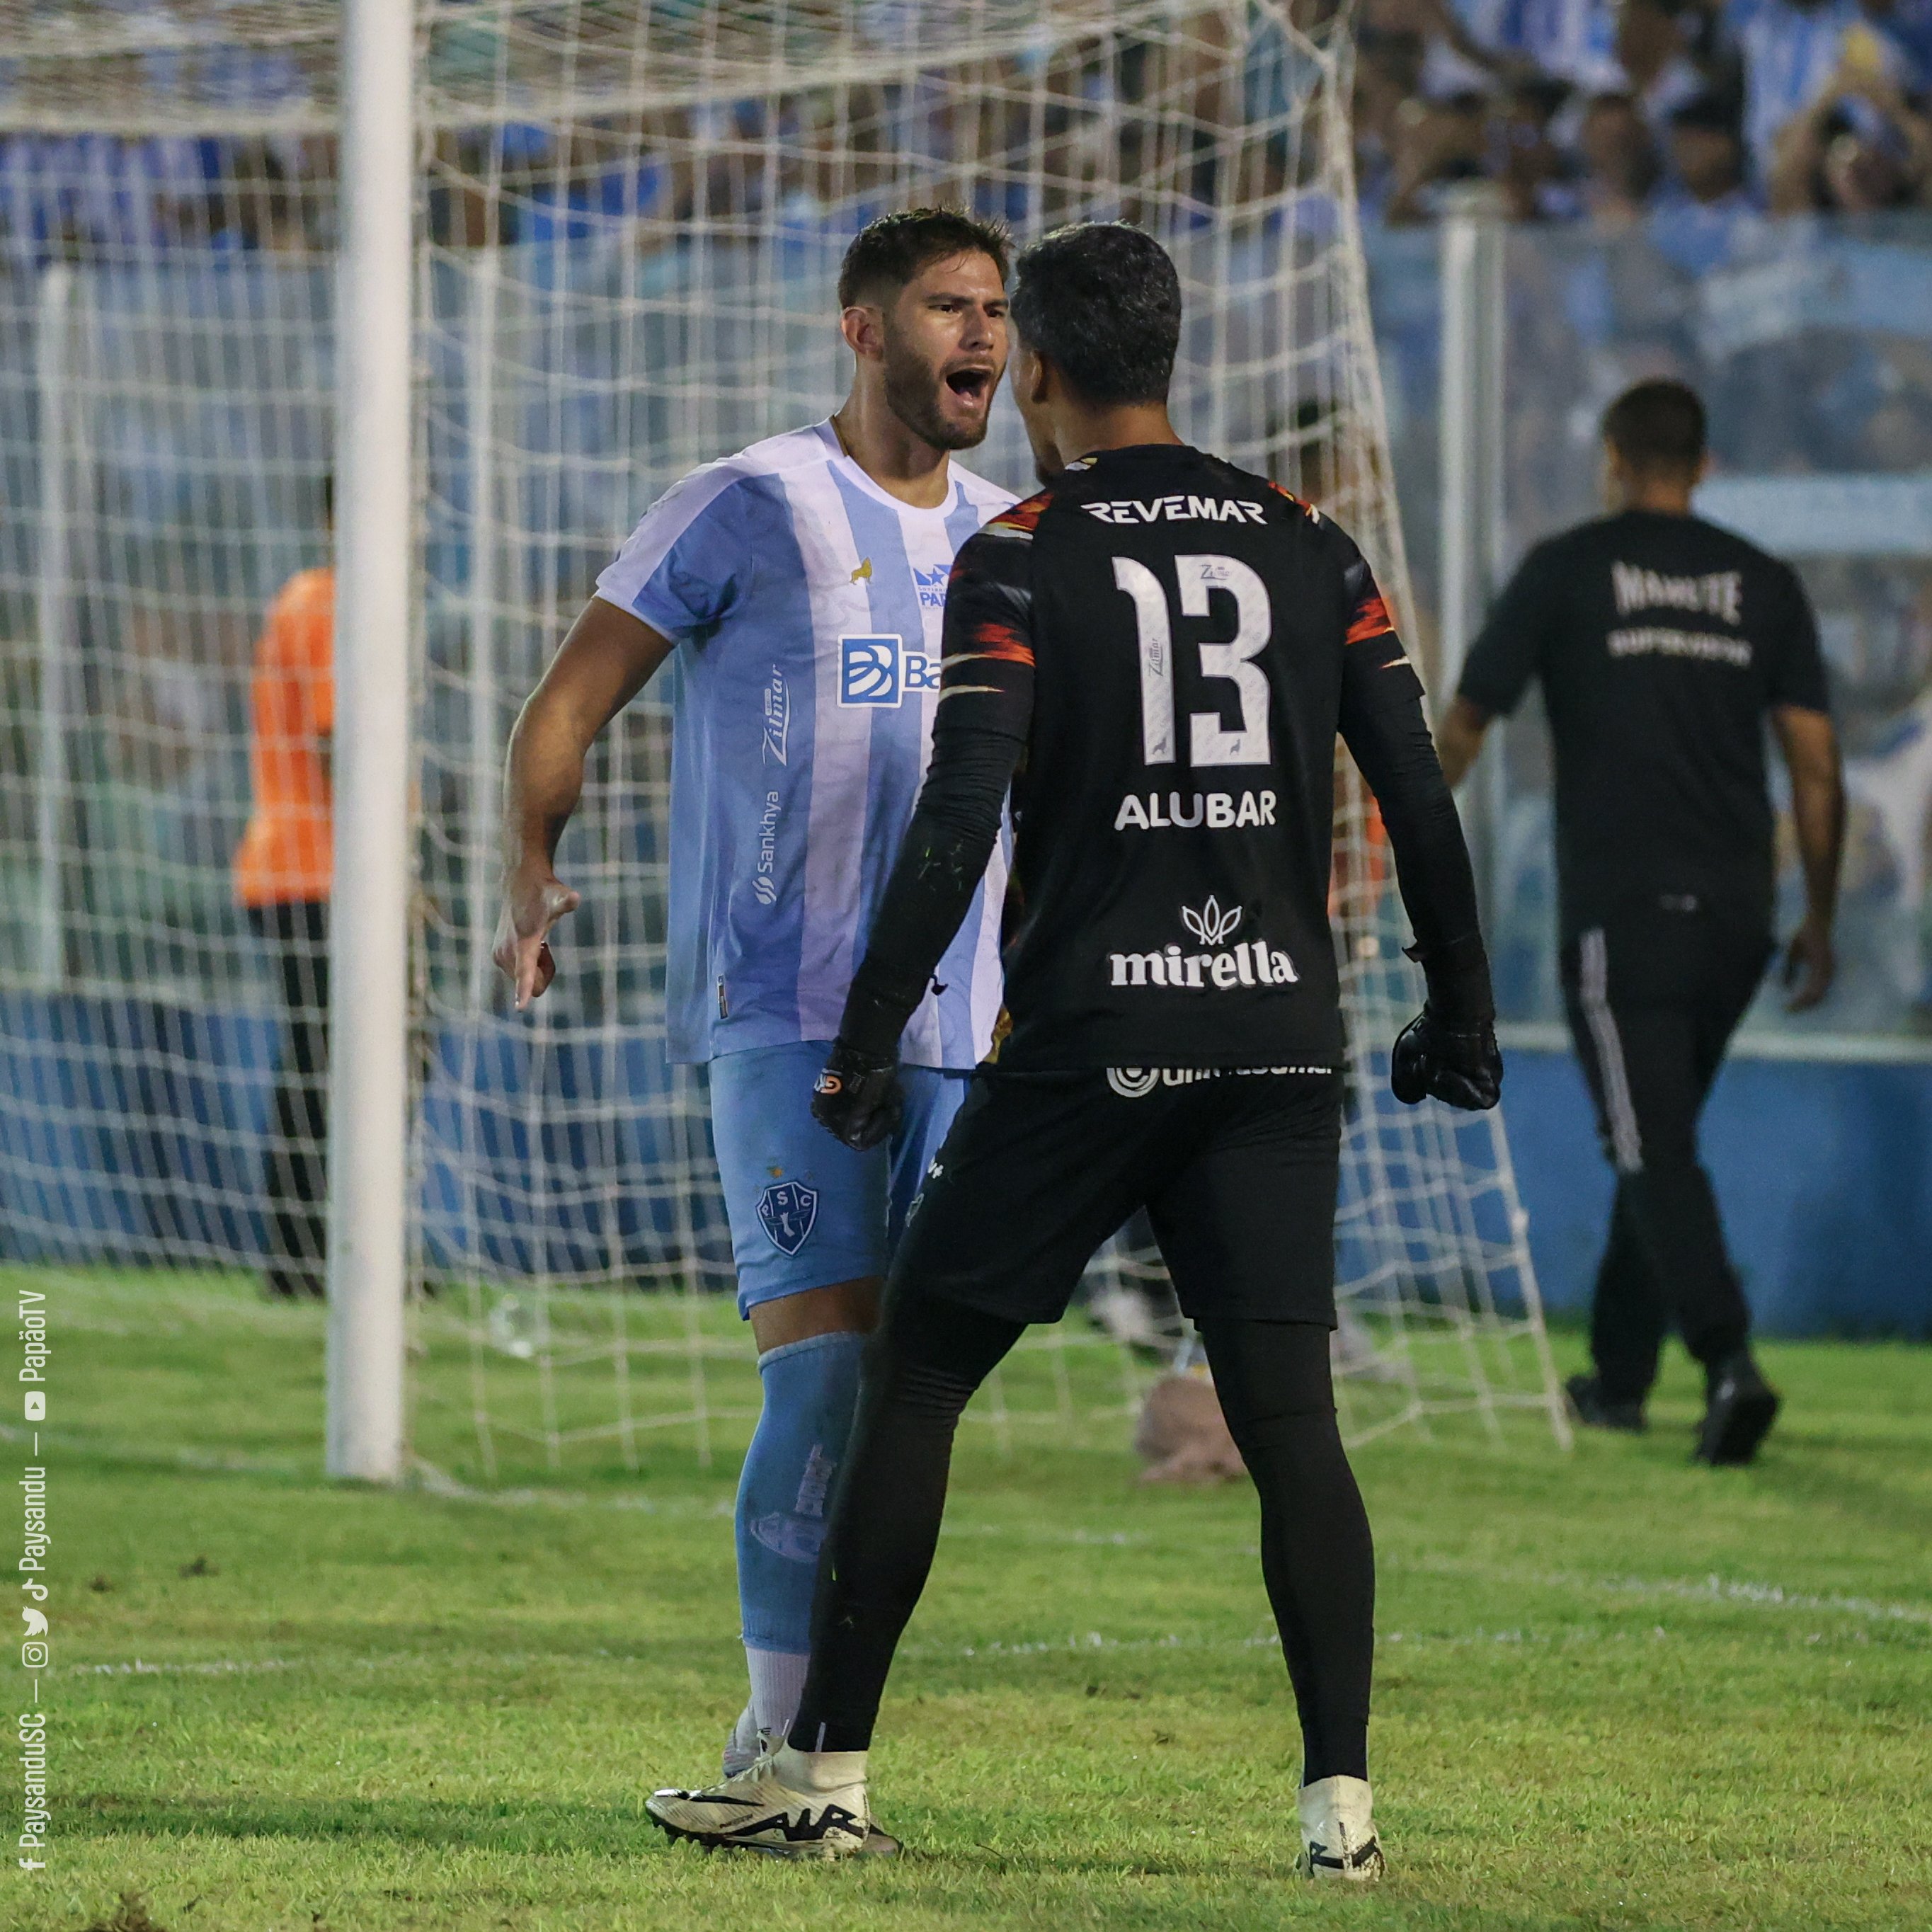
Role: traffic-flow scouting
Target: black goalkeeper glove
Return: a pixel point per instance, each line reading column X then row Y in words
column 857, row 1097
column 1449, row 1049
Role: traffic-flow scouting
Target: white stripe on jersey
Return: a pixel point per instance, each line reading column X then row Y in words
column 841, row 763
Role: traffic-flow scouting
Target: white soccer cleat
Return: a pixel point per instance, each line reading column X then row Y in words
column 745, row 1745
column 1338, row 1832
column 789, row 1804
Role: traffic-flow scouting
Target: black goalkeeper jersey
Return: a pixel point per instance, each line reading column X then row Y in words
column 1196, row 637
column 1662, row 643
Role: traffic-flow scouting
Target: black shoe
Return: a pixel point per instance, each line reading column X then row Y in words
column 1742, row 1406
column 1595, row 1410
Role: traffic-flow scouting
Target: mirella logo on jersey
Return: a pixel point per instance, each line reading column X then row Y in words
column 878, row 671
column 1219, row 966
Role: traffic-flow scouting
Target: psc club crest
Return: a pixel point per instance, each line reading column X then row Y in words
column 787, row 1212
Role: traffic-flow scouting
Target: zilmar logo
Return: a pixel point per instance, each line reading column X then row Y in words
column 778, row 717
column 1218, row 966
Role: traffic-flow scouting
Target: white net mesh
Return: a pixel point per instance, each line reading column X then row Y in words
column 632, row 219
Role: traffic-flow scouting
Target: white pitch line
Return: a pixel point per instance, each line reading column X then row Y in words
column 225, row 1666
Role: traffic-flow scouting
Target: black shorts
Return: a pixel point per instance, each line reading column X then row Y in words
column 1237, row 1171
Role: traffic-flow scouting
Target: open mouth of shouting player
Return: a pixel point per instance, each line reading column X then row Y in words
column 944, row 346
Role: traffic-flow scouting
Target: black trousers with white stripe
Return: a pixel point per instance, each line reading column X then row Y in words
column 1654, row 997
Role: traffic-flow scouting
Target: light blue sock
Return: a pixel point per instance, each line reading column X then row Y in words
column 811, row 1388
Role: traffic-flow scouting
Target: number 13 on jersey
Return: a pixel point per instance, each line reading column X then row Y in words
column 1209, row 743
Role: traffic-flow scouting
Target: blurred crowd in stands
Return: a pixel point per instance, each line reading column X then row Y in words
column 1685, row 115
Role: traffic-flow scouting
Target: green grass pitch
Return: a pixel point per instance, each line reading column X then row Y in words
column 1613, row 1690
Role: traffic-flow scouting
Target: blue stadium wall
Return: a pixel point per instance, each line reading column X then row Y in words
column 1823, row 1170
column 130, row 1128
column 132, row 1131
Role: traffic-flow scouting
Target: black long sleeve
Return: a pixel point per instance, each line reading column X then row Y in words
column 1383, row 725
column 979, row 732
column 1391, row 744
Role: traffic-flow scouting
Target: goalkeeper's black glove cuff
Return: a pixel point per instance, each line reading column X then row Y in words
column 1458, row 973
column 875, row 1016
column 856, row 1097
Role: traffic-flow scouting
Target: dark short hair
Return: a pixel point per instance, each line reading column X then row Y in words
column 1101, row 301
column 887, row 253
column 1658, row 425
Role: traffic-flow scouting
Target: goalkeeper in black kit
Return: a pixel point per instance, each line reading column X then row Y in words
column 1155, row 654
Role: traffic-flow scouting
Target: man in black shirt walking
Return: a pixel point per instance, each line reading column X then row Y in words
column 1664, row 644
column 1155, row 653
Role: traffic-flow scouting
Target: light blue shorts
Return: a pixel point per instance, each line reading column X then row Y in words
column 806, row 1210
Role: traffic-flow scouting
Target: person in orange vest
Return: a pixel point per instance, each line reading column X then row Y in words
column 282, row 877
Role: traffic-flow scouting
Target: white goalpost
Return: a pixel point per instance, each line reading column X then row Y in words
column 368, row 1212
column 583, row 246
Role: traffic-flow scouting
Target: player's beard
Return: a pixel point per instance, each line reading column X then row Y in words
column 912, row 394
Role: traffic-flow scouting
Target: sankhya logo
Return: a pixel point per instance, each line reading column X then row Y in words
column 764, row 877
column 1218, row 967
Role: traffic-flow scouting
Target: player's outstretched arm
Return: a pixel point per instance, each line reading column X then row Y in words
column 1449, row 1049
column 602, row 665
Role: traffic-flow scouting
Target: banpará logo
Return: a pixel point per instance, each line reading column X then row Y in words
column 1218, row 967
column 879, row 672
column 778, row 717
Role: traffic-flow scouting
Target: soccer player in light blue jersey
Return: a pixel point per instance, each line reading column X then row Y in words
column 797, row 590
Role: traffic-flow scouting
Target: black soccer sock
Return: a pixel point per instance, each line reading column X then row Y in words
column 1317, row 1557
column 921, row 1369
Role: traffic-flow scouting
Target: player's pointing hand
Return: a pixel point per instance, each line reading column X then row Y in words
column 534, row 899
column 857, row 1097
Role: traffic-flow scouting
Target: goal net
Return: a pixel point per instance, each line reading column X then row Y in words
column 631, row 213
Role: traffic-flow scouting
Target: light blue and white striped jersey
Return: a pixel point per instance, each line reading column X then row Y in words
column 1791, row 55
column 806, row 604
